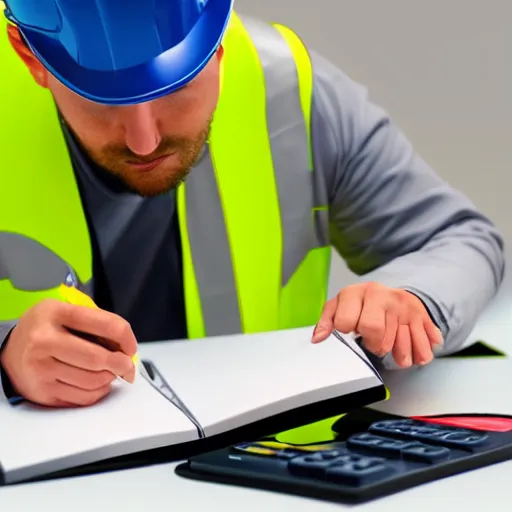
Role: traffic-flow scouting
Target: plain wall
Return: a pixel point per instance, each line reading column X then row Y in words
column 442, row 69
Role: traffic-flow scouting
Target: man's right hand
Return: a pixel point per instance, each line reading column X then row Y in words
column 50, row 365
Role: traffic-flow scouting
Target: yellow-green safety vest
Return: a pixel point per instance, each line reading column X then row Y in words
column 252, row 248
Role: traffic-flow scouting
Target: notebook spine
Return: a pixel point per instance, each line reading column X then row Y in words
column 188, row 413
column 157, row 380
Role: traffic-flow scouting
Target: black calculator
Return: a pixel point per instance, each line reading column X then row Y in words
column 386, row 456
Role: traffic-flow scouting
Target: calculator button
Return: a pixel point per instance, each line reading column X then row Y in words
column 403, row 427
column 360, row 472
column 314, row 464
column 378, row 445
column 288, row 453
column 389, row 425
column 467, row 440
column 425, row 453
column 331, row 454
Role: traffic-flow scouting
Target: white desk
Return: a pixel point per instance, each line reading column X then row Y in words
column 495, row 324
column 445, row 386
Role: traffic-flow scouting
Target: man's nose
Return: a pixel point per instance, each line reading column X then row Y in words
column 141, row 129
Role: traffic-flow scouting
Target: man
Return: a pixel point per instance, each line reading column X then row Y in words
column 190, row 170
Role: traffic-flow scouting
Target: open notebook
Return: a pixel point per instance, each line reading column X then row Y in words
column 194, row 391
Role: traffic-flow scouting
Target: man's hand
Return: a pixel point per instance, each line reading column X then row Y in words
column 50, row 365
column 388, row 320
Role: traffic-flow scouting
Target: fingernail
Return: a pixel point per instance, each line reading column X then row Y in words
column 130, row 376
column 318, row 333
column 406, row 361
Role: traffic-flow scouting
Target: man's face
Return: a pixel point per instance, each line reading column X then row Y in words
column 150, row 146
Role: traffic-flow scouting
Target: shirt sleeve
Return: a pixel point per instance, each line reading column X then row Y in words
column 5, row 331
column 392, row 218
column 5, row 383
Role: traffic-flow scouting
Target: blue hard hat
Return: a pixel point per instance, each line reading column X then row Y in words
column 122, row 51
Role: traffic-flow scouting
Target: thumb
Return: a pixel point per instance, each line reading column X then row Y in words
column 325, row 325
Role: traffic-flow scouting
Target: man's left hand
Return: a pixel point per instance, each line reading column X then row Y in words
column 387, row 319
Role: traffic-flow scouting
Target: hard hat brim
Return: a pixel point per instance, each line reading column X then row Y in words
column 162, row 75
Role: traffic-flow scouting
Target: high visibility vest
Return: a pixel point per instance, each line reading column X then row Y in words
column 254, row 232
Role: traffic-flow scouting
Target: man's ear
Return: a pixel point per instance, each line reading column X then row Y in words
column 220, row 52
column 35, row 67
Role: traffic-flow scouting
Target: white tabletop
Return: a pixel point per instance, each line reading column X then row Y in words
column 495, row 324
column 445, row 386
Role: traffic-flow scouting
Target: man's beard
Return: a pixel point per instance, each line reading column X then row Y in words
column 115, row 159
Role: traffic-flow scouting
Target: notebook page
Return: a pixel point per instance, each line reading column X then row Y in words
column 231, row 381
column 36, row 440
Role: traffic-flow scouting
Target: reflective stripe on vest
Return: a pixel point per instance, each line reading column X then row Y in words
column 255, row 253
column 254, row 259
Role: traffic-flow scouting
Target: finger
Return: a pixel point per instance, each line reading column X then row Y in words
column 350, row 306
column 325, row 324
column 130, row 376
column 372, row 323
column 111, row 328
column 80, row 353
column 77, row 377
column 70, row 396
column 390, row 333
column 421, row 348
column 433, row 333
column 61, row 404
column 402, row 347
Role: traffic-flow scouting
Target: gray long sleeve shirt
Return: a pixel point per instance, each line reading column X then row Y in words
column 393, row 220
